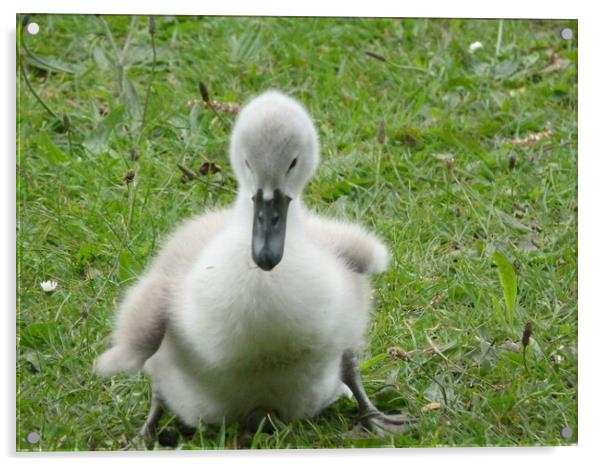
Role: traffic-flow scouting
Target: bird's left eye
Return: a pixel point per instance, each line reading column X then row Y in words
column 293, row 163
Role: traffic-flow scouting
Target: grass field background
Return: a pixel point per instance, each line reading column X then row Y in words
column 464, row 162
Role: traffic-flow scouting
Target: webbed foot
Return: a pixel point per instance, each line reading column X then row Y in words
column 371, row 419
column 381, row 424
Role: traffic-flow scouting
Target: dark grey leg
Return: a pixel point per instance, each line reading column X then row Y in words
column 146, row 434
column 370, row 417
column 150, row 425
column 350, row 374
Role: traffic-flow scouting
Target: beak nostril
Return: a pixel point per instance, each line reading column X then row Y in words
column 275, row 219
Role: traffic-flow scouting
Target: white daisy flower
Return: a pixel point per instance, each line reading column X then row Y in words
column 49, row 286
column 474, row 47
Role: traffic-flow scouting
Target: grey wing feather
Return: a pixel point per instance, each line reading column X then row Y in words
column 143, row 316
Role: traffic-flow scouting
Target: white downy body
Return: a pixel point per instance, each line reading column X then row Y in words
column 240, row 338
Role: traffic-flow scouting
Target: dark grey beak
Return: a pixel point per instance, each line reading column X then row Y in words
column 269, row 229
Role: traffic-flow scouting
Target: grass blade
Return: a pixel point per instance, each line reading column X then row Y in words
column 509, row 284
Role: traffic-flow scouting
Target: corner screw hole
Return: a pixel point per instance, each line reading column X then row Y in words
column 566, row 33
column 33, row 28
column 566, row 432
column 33, row 438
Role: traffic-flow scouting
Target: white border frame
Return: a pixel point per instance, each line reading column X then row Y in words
column 590, row 179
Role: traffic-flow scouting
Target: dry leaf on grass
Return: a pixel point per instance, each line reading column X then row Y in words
column 436, row 300
column 512, row 347
column 517, row 92
column 129, row 176
column 557, row 62
column 399, row 353
column 381, row 135
column 375, row 55
column 431, row 407
column 209, row 167
column 227, row 107
column 531, row 139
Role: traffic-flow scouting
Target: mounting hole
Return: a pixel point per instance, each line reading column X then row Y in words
column 566, row 432
column 33, row 438
column 33, row 28
column 566, row 33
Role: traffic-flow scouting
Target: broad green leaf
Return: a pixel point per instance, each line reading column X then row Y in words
column 54, row 154
column 131, row 99
column 526, row 243
column 246, row 48
column 509, row 283
column 482, row 69
column 434, row 393
column 98, row 140
column 194, row 119
column 100, row 58
column 54, row 64
column 505, row 68
column 511, row 221
column 372, row 361
column 497, row 310
column 33, row 358
column 531, row 59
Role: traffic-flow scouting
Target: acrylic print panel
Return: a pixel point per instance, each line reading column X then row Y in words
column 451, row 141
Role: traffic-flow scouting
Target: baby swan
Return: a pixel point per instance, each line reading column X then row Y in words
column 260, row 307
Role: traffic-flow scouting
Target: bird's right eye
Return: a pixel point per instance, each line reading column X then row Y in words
column 293, row 163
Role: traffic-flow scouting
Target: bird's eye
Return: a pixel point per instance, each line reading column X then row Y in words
column 247, row 164
column 293, row 163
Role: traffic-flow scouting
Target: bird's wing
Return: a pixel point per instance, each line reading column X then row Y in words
column 143, row 316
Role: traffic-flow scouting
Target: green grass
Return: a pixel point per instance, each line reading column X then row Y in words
column 417, row 147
